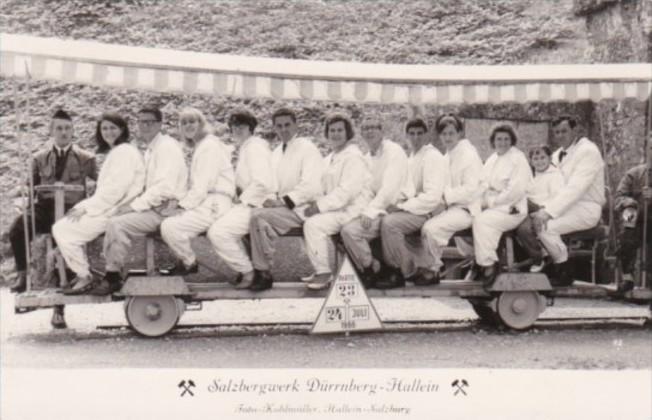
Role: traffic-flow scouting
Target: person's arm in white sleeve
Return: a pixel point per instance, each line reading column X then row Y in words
column 517, row 184
column 169, row 161
column 470, row 187
column 210, row 161
column 394, row 177
column 262, row 179
column 354, row 175
column 578, row 184
column 309, row 186
column 118, row 180
column 434, row 181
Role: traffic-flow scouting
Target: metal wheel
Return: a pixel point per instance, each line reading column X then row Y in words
column 153, row 316
column 483, row 309
column 518, row 310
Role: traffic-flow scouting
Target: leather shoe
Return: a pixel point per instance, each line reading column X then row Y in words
column 180, row 269
column 427, row 279
column 262, row 281
column 104, row 288
column 393, row 280
column 561, row 276
column 20, row 285
column 368, row 278
column 58, row 321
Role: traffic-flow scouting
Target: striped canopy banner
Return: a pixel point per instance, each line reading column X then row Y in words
column 166, row 70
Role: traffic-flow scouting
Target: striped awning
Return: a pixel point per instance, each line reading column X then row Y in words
column 165, row 70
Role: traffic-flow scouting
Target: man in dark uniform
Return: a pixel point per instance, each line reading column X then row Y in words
column 631, row 198
column 59, row 161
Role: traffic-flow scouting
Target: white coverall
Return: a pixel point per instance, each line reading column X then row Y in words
column 346, row 191
column 254, row 177
column 212, row 187
column 461, row 195
column 166, row 179
column 298, row 168
column 505, row 179
column 390, row 183
column 428, row 171
column 121, row 179
column 578, row 205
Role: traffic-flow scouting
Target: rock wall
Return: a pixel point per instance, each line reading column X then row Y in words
column 618, row 30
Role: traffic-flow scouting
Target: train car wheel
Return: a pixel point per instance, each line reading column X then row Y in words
column 518, row 310
column 483, row 309
column 153, row 316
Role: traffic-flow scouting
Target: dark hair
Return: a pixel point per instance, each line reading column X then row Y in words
column 572, row 123
column 348, row 126
column 284, row 112
column 543, row 147
column 502, row 128
column 152, row 109
column 416, row 123
column 112, row 117
column 60, row 114
column 243, row 117
column 449, row 119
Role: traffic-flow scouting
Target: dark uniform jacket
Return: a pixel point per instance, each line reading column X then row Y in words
column 77, row 165
column 630, row 188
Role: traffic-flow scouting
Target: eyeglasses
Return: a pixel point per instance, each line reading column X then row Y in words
column 371, row 127
column 148, row 122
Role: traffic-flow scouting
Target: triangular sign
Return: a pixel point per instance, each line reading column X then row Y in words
column 347, row 306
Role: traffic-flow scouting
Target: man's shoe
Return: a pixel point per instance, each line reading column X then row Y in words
column 180, row 269
column 427, row 278
column 262, row 281
column 58, row 321
column 82, row 286
column 368, row 278
column 20, row 285
column 392, row 279
column 561, row 276
column 488, row 274
column 625, row 286
column 245, row 282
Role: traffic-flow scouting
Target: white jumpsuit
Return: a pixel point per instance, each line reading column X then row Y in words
column 346, row 192
column 428, row 171
column 461, row 195
column 578, row 205
column 254, row 177
column 505, row 179
column 212, row 187
column 121, row 179
column 166, row 179
column 390, row 183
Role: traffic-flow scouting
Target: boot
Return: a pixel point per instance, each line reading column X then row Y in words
column 262, row 281
column 111, row 283
column 20, row 285
column 561, row 275
column 394, row 279
column 58, row 321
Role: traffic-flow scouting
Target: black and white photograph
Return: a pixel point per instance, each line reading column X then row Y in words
column 325, row 209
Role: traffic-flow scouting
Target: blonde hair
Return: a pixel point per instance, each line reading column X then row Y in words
column 205, row 128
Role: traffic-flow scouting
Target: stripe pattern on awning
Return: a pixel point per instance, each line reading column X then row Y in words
column 284, row 87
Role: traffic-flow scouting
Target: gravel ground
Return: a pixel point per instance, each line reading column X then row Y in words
column 455, row 340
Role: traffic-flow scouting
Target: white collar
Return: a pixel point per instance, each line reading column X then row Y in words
column 62, row 150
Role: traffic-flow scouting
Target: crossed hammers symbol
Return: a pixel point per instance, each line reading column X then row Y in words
column 460, row 384
column 186, row 387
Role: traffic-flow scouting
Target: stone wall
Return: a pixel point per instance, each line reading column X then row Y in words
column 619, row 31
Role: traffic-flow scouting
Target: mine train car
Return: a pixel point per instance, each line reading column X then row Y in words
column 154, row 303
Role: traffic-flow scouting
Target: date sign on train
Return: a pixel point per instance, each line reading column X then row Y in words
column 347, row 306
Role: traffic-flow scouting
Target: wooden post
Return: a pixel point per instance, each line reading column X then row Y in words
column 59, row 212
